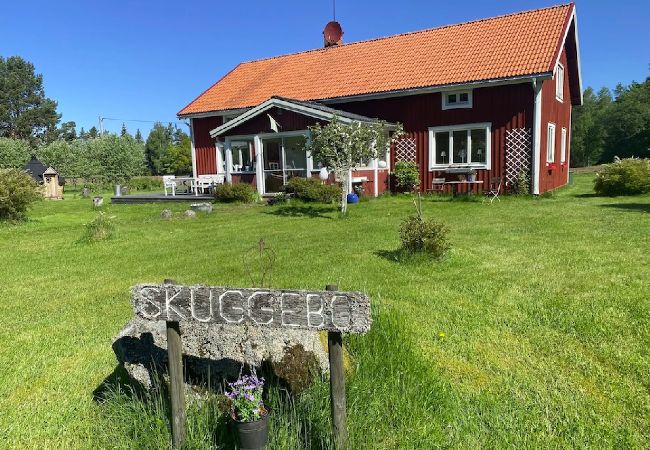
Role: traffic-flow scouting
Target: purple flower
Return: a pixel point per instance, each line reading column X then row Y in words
column 248, row 396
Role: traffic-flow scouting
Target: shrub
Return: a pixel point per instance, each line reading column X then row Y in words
column 624, row 177
column 145, row 183
column 18, row 190
column 237, row 192
column 407, row 176
column 313, row 190
column 99, row 229
column 427, row 236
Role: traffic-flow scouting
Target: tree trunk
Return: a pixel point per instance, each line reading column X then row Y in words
column 343, row 176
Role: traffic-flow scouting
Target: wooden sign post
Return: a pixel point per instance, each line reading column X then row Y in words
column 330, row 310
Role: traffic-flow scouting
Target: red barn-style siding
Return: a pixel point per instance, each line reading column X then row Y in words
column 204, row 146
column 505, row 107
column 559, row 113
column 260, row 124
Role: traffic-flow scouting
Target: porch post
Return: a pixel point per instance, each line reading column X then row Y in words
column 228, row 162
column 259, row 165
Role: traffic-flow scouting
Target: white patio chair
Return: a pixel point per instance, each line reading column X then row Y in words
column 493, row 192
column 169, row 183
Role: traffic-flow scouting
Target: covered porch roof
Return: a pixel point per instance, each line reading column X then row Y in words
column 305, row 108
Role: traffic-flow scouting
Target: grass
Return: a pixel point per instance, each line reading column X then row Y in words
column 533, row 332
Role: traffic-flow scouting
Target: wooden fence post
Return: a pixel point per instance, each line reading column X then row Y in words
column 337, row 384
column 176, row 381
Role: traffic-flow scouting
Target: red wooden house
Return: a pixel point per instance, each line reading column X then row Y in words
column 491, row 96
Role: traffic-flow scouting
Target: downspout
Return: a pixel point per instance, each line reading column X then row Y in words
column 194, row 168
column 537, row 133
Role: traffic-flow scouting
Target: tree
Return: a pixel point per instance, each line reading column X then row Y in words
column 124, row 131
column 120, row 158
column 179, row 155
column 588, row 130
column 14, row 153
column 342, row 147
column 83, row 134
column 93, row 133
column 138, row 136
column 628, row 122
column 25, row 112
column 157, row 147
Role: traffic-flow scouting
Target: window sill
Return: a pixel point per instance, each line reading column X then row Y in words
column 453, row 168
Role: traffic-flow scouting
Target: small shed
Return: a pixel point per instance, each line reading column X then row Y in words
column 48, row 177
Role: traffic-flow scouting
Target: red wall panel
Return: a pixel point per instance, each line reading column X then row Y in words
column 204, row 145
column 505, row 107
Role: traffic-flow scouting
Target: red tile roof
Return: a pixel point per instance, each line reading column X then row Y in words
column 513, row 45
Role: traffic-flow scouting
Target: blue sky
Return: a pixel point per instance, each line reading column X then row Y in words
column 145, row 60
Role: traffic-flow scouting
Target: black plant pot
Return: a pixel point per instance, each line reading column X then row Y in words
column 253, row 435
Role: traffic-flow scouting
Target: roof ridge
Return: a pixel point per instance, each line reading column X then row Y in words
column 407, row 33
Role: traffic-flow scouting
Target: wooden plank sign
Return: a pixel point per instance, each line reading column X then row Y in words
column 344, row 312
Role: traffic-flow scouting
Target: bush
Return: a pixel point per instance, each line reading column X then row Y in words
column 18, row 190
column 624, row 177
column 237, row 192
column 313, row 190
column 426, row 236
column 145, row 183
column 407, row 176
column 99, row 229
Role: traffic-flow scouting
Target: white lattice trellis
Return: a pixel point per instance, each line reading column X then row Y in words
column 518, row 154
column 405, row 150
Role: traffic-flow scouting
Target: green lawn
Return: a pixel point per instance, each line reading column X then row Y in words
column 544, row 305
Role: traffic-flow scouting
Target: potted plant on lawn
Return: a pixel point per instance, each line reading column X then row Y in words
column 248, row 411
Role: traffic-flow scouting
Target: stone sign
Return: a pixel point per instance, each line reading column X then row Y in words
column 344, row 312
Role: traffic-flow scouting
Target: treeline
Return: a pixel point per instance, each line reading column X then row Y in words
column 30, row 125
column 610, row 124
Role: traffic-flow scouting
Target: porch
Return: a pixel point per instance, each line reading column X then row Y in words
column 266, row 147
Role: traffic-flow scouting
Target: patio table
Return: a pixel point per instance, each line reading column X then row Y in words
column 186, row 182
column 454, row 185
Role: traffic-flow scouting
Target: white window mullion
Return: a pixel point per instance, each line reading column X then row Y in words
column 451, row 147
column 469, row 146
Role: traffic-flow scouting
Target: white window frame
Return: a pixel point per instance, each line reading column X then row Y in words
column 550, row 143
column 433, row 165
column 559, row 83
column 563, row 135
column 458, row 104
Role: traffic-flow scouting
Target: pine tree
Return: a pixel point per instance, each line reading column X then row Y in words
column 124, row 132
column 93, row 133
column 138, row 136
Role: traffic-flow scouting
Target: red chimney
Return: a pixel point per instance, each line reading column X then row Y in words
column 332, row 34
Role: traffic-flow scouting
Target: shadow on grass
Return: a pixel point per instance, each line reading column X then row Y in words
column 588, row 195
column 304, row 211
column 639, row 207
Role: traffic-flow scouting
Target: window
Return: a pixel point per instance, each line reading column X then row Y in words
column 465, row 145
column 559, row 82
column 451, row 100
column 241, row 156
column 550, row 143
column 563, row 146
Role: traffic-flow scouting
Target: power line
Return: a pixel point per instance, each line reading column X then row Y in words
column 143, row 121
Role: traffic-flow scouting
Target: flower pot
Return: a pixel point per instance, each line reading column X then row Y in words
column 353, row 198
column 253, row 435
